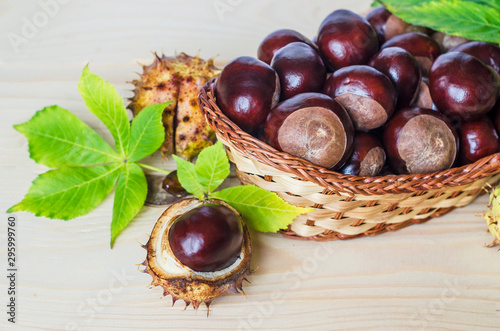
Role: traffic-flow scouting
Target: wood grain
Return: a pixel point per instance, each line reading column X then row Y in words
column 436, row 275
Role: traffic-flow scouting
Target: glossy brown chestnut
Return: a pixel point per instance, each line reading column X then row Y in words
column 345, row 39
column 403, row 70
column 478, row 139
column 368, row 95
column 495, row 115
column 207, row 238
column 424, row 99
column 172, row 185
column 395, row 26
column 448, row 42
column 419, row 140
column 246, row 90
column 377, row 17
column 312, row 126
column 367, row 158
column 486, row 52
column 421, row 46
column 300, row 69
column 462, row 86
column 277, row 39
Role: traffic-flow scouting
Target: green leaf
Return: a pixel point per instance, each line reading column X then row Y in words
column 212, row 167
column 103, row 101
column 69, row 192
column 261, row 210
column 57, row 138
column 130, row 195
column 477, row 20
column 186, row 173
column 147, row 132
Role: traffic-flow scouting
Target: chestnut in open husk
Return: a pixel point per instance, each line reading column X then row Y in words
column 419, row 140
column 198, row 250
column 312, row 126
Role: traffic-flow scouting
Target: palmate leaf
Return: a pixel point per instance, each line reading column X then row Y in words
column 57, row 137
column 212, row 167
column 103, row 101
column 261, row 210
column 69, row 192
column 147, row 132
column 130, row 195
column 477, row 20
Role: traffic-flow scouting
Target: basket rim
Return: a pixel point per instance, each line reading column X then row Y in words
column 335, row 182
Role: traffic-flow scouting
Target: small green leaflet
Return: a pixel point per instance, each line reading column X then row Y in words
column 68, row 192
column 472, row 19
column 87, row 168
column 261, row 210
column 103, row 101
column 130, row 195
column 70, row 141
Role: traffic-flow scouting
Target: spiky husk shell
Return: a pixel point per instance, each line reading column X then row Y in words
column 188, row 285
column 492, row 216
column 177, row 79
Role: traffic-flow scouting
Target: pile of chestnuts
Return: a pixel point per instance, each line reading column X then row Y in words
column 367, row 90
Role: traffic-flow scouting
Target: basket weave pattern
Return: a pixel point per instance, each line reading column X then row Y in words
column 346, row 206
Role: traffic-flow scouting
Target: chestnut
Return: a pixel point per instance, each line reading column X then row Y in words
column 478, row 138
column 368, row 95
column 300, row 69
column 312, row 126
column 207, row 238
column 277, row 39
column 486, row 52
column 402, row 68
column 377, row 17
column 495, row 115
column 172, row 185
column 246, row 90
column 424, row 99
column 367, row 158
column 448, row 42
column 395, row 26
column 345, row 39
column 421, row 46
column 462, row 86
column 419, row 140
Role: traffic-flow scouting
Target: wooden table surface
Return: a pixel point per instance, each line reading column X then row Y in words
column 436, row 275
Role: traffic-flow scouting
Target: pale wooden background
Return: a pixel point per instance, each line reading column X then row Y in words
column 436, row 275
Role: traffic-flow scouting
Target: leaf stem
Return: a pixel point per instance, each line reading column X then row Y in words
column 147, row 166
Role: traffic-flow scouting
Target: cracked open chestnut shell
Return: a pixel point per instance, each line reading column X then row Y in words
column 198, row 251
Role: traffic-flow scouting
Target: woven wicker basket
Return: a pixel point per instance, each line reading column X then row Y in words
column 346, row 206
